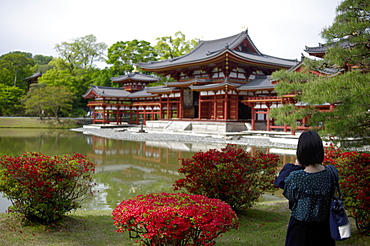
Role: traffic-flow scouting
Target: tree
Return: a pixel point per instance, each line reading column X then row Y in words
column 42, row 97
column 169, row 47
column 10, row 99
column 42, row 63
column 42, row 60
column 124, row 55
column 349, row 91
column 14, row 68
column 349, row 36
column 81, row 53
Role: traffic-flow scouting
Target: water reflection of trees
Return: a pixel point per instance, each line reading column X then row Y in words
column 124, row 168
column 14, row 142
column 127, row 168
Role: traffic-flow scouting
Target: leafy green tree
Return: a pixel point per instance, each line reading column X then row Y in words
column 42, row 98
column 124, row 55
column 10, row 99
column 349, row 91
column 42, row 60
column 81, row 52
column 14, row 68
column 103, row 77
column 26, row 54
column 42, row 63
column 169, row 47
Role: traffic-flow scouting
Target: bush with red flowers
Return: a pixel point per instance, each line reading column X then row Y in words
column 231, row 175
column 354, row 172
column 174, row 219
column 43, row 188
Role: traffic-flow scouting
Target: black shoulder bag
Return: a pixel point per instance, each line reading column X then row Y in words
column 339, row 225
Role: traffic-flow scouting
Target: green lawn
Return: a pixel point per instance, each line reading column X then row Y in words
column 25, row 122
column 264, row 224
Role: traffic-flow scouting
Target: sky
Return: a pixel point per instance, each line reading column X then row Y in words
column 280, row 28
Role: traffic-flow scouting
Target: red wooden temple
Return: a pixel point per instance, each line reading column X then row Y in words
column 223, row 80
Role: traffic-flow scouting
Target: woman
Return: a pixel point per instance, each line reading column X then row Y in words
column 308, row 187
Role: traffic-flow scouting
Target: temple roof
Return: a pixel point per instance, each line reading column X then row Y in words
column 34, row 76
column 258, row 83
column 139, row 77
column 239, row 45
column 215, row 86
column 321, row 50
column 160, row 89
column 318, row 51
column 323, row 71
column 103, row 91
column 188, row 82
column 113, row 92
column 141, row 94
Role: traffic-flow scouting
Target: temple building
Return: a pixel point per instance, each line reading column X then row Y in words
column 226, row 81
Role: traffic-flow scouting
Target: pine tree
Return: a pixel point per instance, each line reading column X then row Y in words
column 348, row 50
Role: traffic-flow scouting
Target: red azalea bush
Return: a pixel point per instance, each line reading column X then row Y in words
column 43, row 188
column 354, row 172
column 174, row 219
column 231, row 175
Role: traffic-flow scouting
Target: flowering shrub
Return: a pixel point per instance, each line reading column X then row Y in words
column 43, row 188
column 231, row 175
column 174, row 219
column 354, row 171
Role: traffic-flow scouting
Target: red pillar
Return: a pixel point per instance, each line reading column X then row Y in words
column 268, row 119
column 214, row 107
column 180, row 107
column 200, row 107
column 237, row 107
column 169, row 111
column 226, row 106
column 253, row 121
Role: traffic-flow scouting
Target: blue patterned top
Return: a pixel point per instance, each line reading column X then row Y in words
column 310, row 194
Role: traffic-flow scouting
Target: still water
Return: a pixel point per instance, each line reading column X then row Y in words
column 124, row 169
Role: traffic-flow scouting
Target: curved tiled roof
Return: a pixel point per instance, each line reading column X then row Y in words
column 34, row 76
column 160, row 89
column 135, row 77
column 321, row 49
column 188, row 82
column 104, row 91
column 224, row 84
column 259, row 83
column 112, row 92
column 207, row 50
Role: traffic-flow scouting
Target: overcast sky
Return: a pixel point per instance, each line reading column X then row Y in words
column 279, row 28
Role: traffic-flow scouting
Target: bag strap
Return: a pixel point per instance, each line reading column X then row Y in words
column 335, row 179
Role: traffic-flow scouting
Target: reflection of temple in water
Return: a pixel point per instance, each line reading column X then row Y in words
column 113, row 154
column 127, row 168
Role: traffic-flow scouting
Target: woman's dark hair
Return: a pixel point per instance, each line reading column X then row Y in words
column 310, row 149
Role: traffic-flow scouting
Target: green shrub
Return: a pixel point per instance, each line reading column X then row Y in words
column 231, row 175
column 44, row 188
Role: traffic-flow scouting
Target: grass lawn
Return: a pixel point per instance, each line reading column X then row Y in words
column 264, row 224
column 28, row 122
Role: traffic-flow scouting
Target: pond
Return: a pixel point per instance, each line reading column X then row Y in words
column 124, row 169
